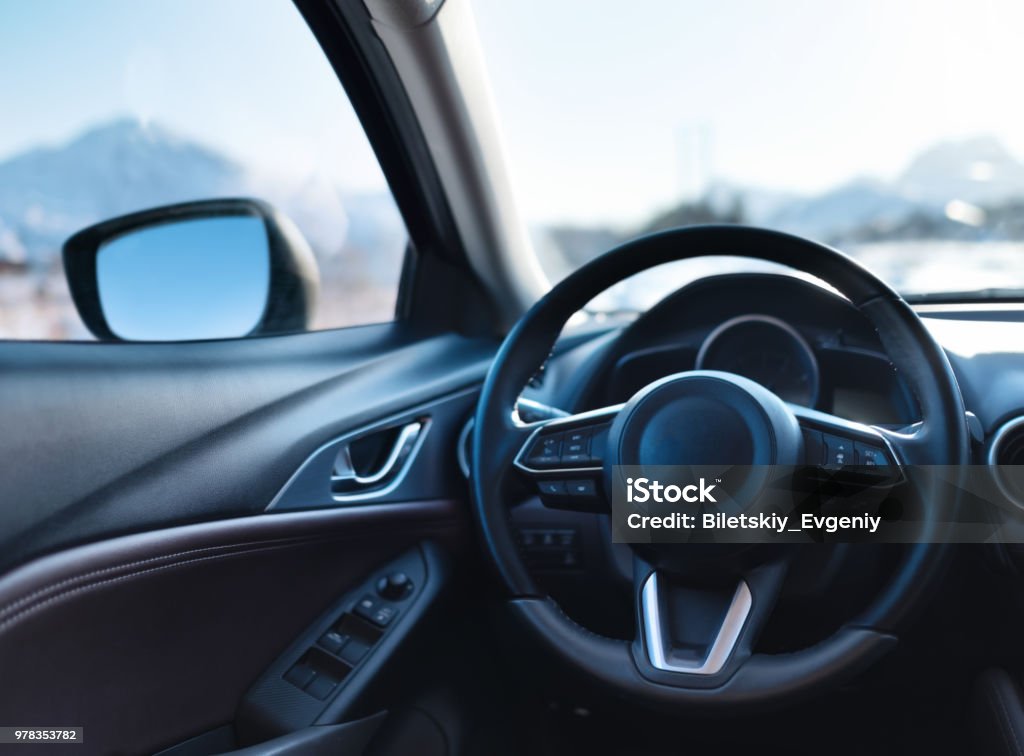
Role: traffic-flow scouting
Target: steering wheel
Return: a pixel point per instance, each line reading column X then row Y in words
column 696, row 626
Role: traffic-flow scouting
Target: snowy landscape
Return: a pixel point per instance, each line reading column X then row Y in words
column 952, row 220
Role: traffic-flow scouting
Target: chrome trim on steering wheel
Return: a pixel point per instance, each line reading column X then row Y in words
column 659, row 649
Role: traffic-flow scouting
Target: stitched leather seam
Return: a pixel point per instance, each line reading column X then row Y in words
column 266, row 545
column 121, row 578
column 580, row 628
column 22, row 601
column 125, row 565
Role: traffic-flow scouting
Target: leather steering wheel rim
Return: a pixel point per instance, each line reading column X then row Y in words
column 941, row 439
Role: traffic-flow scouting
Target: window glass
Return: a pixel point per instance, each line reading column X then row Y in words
column 892, row 129
column 115, row 106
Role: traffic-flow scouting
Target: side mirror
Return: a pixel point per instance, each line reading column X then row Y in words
column 212, row 269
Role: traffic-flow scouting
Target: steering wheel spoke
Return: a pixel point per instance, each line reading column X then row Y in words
column 837, row 446
column 564, row 459
column 688, row 633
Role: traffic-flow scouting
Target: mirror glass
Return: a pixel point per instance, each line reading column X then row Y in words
column 197, row 278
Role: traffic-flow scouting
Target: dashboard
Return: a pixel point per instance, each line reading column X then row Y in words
column 802, row 341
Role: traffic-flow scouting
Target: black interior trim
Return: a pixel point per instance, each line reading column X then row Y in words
column 345, row 33
column 119, row 438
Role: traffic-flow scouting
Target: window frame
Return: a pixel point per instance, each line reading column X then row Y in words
column 435, row 260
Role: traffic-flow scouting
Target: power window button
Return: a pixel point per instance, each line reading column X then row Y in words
column 354, row 651
column 374, row 610
column 383, row 616
column 322, row 687
column 332, row 641
column 367, row 606
column 300, row 675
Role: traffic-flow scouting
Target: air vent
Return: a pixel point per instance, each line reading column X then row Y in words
column 1006, row 456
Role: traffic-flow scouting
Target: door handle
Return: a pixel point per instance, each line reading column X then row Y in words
column 346, row 478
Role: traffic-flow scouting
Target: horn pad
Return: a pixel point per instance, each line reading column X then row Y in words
column 705, row 417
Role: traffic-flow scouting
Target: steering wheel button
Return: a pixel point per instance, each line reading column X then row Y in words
column 575, row 459
column 838, row 451
column 575, row 447
column 546, row 450
column 870, row 456
column 581, row 487
column 552, row 487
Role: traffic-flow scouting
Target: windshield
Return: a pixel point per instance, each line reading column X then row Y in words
column 891, row 130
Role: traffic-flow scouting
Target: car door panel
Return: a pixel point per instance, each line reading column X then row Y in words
column 145, row 585
column 148, row 639
column 105, row 439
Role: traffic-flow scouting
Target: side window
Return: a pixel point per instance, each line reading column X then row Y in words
column 114, row 107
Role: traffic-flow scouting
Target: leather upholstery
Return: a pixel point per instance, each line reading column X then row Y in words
column 148, row 639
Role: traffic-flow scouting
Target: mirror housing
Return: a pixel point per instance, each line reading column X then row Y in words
column 289, row 268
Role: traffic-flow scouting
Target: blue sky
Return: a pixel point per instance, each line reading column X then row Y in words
column 245, row 75
column 791, row 95
column 594, row 97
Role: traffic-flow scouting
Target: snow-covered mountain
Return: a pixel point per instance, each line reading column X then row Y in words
column 979, row 170
column 48, row 193
column 841, row 210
